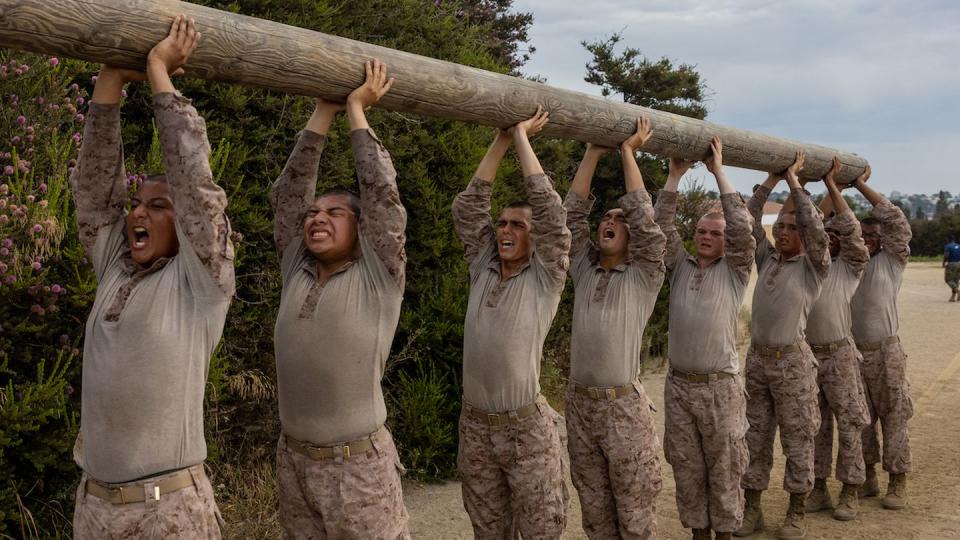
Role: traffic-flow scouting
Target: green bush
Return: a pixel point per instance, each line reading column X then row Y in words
column 929, row 236
column 252, row 132
column 46, row 288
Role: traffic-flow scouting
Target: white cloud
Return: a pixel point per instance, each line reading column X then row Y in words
column 875, row 78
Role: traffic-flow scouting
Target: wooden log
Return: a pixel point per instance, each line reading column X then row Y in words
column 255, row 52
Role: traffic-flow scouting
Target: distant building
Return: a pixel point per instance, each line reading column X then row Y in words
column 771, row 210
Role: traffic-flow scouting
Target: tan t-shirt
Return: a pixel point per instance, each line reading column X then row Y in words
column 507, row 322
column 611, row 308
column 874, row 305
column 150, row 334
column 332, row 340
column 787, row 288
column 829, row 319
column 705, row 304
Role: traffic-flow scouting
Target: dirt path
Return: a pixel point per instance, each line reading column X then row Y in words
column 929, row 328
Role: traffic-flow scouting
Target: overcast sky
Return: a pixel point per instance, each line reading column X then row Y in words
column 880, row 78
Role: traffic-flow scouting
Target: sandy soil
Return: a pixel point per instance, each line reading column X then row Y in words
column 930, row 327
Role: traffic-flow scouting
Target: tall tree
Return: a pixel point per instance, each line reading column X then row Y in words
column 943, row 204
column 656, row 84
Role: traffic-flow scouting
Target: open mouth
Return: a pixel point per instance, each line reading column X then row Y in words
column 609, row 234
column 506, row 244
column 140, row 237
column 319, row 235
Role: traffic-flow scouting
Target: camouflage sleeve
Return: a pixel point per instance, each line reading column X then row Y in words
column 578, row 211
column 647, row 241
column 198, row 200
column 383, row 219
column 665, row 214
column 471, row 217
column 739, row 244
column 98, row 180
column 294, row 190
column 896, row 230
column 549, row 232
column 755, row 207
column 852, row 248
column 816, row 244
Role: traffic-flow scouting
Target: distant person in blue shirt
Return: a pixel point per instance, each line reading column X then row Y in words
column 951, row 265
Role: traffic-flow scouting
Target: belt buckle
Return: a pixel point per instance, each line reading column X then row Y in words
column 610, row 393
column 346, row 451
column 119, row 490
column 493, row 419
column 776, row 354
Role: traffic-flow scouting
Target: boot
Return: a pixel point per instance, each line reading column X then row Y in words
column 953, row 295
column 848, row 504
column 701, row 534
column 793, row 525
column 723, row 535
column 870, row 487
column 752, row 514
column 896, row 497
column 819, row 499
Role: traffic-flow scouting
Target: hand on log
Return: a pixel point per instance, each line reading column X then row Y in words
column 831, row 177
column 121, row 74
column 533, row 125
column 793, row 171
column 596, row 150
column 641, row 136
column 860, row 180
column 714, row 161
column 174, row 50
column 374, row 87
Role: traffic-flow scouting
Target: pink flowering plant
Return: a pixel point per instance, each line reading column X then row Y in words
column 46, row 286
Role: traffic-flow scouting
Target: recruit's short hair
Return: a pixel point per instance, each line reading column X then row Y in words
column 352, row 198
column 870, row 220
column 713, row 215
column 519, row 204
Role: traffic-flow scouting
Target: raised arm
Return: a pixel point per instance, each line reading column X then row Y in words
column 471, row 207
column 755, row 207
column 383, row 219
column 896, row 227
column 98, row 180
column 739, row 246
column 665, row 213
column 853, row 250
column 809, row 221
column 647, row 241
column 296, row 187
column 579, row 202
column 549, row 232
column 199, row 202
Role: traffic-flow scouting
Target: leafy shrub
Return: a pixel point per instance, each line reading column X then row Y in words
column 46, row 288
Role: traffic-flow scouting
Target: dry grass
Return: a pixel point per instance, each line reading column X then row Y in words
column 247, row 497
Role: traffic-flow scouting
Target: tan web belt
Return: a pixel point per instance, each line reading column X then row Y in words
column 877, row 345
column 774, row 352
column 348, row 450
column 134, row 493
column 701, row 377
column 603, row 393
column 502, row 418
column 830, row 347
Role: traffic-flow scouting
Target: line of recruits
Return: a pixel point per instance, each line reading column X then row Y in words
column 166, row 277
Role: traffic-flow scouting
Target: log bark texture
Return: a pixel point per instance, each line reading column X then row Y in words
column 255, row 52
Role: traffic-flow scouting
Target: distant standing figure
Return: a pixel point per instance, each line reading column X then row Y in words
column 951, row 268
